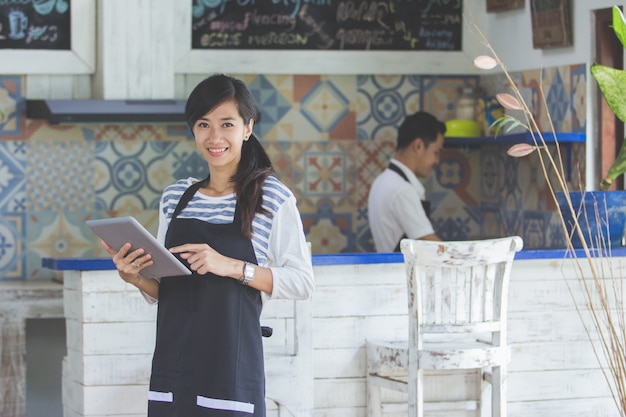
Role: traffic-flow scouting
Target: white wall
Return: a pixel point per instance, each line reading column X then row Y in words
column 510, row 34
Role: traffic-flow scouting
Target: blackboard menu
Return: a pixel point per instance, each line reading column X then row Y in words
column 415, row 25
column 35, row 24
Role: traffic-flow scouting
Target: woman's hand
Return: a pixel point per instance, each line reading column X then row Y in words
column 129, row 264
column 203, row 259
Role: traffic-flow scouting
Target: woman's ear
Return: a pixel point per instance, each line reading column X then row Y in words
column 249, row 127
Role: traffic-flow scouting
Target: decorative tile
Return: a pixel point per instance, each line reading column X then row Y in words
column 60, row 176
column 535, row 228
column 558, row 101
column 324, row 106
column 13, row 162
column 272, row 103
column 13, row 243
column 382, row 103
column 371, row 158
column 137, row 132
column 531, row 80
column 439, row 94
column 11, row 101
column 131, row 175
column 57, row 234
column 328, row 231
column 578, row 94
column 325, row 174
column 490, row 168
column 53, row 177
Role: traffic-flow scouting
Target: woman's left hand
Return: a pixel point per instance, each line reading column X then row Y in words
column 203, row 259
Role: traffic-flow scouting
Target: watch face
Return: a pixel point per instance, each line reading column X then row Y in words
column 249, row 271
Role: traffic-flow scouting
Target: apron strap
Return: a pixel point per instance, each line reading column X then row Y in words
column 425, row 204
column 397, row 170
column 187, row 196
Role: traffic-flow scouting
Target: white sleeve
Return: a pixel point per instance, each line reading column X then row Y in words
column 163, row 224
column 289, row 256
column 410, row 214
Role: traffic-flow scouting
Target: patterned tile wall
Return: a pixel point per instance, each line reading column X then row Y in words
column 328, row 137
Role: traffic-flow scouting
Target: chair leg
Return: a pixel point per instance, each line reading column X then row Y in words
column 373, row 398
column 416, row 394
column 485, row 393
column 498, row 391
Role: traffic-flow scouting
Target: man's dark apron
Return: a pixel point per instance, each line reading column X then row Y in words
column 425, row 204
column 208, row 359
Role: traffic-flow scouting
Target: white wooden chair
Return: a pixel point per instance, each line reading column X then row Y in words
column 457, row 303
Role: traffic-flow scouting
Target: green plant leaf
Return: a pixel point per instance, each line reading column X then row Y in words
column 612, row 83
column 506, row 122
column 619, row 25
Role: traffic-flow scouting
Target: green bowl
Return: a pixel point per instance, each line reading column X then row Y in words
column 458, row 128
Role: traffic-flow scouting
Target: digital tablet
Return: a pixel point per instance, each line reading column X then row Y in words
column 117, row 231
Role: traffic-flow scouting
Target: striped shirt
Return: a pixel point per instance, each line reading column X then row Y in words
column 221, row 210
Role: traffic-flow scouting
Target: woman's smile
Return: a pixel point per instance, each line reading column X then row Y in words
column 216, row 151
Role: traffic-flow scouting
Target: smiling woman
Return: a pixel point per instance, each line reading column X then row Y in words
column 228, row 229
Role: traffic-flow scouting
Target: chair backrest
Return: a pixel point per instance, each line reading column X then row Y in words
column 458, row 287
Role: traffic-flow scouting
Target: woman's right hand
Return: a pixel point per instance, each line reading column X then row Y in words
column 129, row 264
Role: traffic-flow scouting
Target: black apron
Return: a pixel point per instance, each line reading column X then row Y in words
column 208, row 359
column 425, row 204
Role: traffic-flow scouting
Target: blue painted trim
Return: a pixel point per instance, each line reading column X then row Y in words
column 511, row 139
column 99, row 264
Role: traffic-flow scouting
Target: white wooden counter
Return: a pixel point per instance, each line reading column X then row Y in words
column 553, row 369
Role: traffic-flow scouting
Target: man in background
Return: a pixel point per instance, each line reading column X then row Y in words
column 396, row 203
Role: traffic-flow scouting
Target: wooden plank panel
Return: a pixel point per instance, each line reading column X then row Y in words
column 62, row 86
column 576, row 407
column 37, row 86
column 364, row 301
column 351, row 332
column 545, row 326
column 81, row 87
column 360, row 275
column 103, row 338
column 161, row 49
column 110, row 369
column 113, row 48
column 138, row 55
column 542, row 356
column 552, row 385
column 340, row 363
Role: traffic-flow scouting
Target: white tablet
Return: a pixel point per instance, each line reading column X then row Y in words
column 117, row 231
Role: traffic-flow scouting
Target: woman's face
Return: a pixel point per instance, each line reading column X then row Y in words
column 220, row 134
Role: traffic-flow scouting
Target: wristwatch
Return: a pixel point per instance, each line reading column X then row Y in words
column 248, row 273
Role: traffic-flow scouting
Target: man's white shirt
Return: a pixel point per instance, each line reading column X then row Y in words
column 395, row 208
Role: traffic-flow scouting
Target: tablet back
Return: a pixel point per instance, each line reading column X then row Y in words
column 116, row 231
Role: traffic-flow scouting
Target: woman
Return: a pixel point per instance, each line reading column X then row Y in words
column 240, row 233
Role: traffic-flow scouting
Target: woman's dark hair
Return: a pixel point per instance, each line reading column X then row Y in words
column 421, row 125
column 255, row 165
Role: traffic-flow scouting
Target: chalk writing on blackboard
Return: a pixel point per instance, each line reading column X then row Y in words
column 327, row 24
column 35, row 24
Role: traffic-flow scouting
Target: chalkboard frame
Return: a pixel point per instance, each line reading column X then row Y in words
column 80, row 59
column 196, row 61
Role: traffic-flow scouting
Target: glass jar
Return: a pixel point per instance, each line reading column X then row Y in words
column 466, row 105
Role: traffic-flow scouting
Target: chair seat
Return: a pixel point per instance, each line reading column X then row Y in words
column 391, row 358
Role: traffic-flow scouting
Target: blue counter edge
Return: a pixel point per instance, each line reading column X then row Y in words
column 98, row 264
